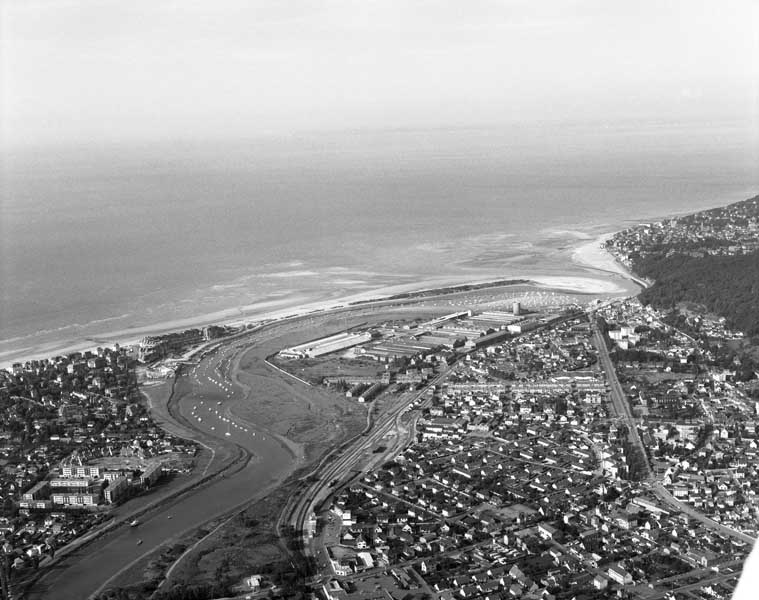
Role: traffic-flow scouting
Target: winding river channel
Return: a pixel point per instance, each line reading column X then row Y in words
column 207, row 401
column 206, row 396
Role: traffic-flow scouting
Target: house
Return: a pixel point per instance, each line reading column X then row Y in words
column 548, row 532
column 618, row 574
column 253, row 582
column 600, row 582
column 701, row 558
column 366, row 558
column 589, row 538
column 333, row 591
column 340, row 569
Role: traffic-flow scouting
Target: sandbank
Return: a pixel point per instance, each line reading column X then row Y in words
column 591, row 254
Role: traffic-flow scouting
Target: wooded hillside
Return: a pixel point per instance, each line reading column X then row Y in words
column 725, row 285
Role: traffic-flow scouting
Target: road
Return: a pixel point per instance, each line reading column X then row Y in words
column 667, row 498
column 716, row 578
column 617, row 395
column 622, row 409
column 340, row 464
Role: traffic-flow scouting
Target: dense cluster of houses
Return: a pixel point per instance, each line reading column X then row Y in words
column 731, row 230
column 696, row 418
column 519, row 483
column 490, row 519
column 75, row 439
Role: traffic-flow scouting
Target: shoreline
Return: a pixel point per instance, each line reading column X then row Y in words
column 588, row 255
column 588, row 285
column 594, row 255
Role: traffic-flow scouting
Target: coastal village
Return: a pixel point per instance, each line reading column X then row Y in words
column 584, row 450
column 524, row 480
column 521, row 481
column 77, row 440
column 724, row 231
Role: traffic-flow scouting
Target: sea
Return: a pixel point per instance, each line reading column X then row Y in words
column 102, row 242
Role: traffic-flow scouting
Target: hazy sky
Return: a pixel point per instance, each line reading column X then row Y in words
column 101, row 70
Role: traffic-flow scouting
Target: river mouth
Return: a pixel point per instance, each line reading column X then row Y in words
column 268, row 458
column 236, row 383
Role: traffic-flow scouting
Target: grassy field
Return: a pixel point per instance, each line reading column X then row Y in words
column 245, row 546
column 315, row 417
column 315, row 370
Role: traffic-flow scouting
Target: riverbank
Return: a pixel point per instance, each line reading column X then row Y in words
column 219, row 491
column 261, row 395
column 276, row 457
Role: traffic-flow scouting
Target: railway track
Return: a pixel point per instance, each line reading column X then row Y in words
column 334, row 468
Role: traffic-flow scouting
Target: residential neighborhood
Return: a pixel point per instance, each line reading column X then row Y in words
column 521, row 480
column 727, row 230
column 77, row 440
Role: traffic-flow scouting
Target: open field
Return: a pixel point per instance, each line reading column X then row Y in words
column 333, row 365
column 244, row 546
column 314, row 417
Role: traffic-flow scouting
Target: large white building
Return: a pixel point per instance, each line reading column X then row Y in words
column 333, row 343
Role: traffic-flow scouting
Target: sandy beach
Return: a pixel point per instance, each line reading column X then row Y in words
column 590, row 254
column 593, row 254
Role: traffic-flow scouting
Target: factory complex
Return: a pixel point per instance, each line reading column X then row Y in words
column 327, row 345
column 396, row 341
